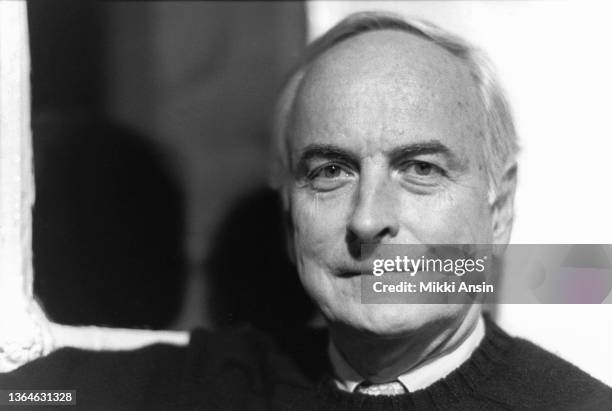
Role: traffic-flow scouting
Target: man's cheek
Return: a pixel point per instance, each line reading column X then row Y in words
column 452, row 219
column 318, row 224
column 315, row 228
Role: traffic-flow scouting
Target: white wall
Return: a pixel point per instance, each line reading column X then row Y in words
column 555, row 61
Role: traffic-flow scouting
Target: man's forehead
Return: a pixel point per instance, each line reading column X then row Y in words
column 389, row 57
column 411, row 84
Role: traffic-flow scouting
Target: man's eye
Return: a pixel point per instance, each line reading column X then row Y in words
column 328, row 177
column 331, row 171
column 327, row 171
column 422, row 171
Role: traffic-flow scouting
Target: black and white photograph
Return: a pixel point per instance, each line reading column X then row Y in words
column 305, row 205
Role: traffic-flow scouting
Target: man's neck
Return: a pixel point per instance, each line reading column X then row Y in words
column 382, row 359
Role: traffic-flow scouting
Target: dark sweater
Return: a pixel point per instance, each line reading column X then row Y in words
column 243, row 369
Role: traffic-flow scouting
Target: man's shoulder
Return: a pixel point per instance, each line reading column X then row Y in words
column 529, row 375
column 533, row 360
column 103, row 377
column 299, row 355
column 239, row 357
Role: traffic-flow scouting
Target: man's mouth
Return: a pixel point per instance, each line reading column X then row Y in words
column 350, row 273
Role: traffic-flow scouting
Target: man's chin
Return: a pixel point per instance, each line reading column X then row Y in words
column 394, row 320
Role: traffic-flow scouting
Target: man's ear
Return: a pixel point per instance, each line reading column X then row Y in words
column 502, row 205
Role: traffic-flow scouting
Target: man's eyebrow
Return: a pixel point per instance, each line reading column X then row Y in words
column 423, row 148
column 328, row 151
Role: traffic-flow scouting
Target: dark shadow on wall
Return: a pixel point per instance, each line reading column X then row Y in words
column 67, row 52
column 108, row 227
column 252, row 279
column 199, row 79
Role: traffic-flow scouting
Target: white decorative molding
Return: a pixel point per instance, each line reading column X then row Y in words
column 25, row 332
column 113, row 339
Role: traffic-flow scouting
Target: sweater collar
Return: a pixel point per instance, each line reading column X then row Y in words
column 347, row 379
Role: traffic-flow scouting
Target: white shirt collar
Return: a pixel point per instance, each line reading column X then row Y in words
column 347, row 379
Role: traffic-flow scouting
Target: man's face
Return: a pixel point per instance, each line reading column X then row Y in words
column 386, row 140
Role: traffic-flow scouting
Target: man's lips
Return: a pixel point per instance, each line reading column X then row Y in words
column 350, row 273
column 352, row 270
column 347, row 272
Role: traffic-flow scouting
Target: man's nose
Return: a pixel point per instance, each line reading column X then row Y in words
column 374, row 217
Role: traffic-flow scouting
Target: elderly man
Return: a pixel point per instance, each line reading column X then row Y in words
column 389, row 132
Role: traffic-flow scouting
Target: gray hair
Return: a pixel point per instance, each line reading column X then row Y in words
column 500, row 140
